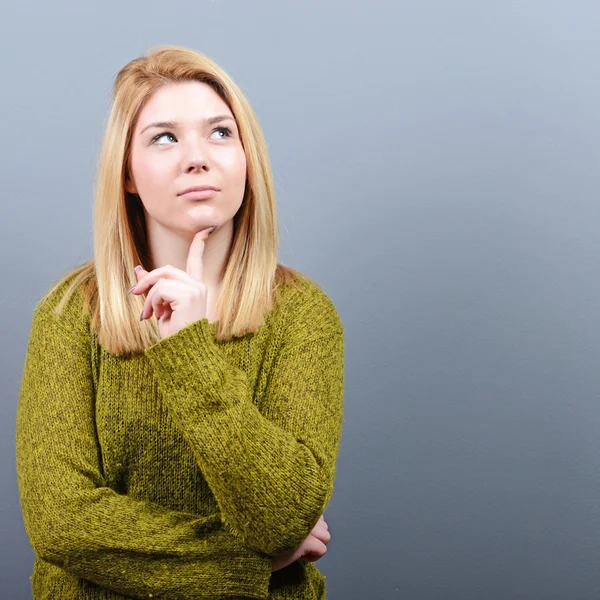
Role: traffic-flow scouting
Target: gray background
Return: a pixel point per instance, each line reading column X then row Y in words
column 437, row 171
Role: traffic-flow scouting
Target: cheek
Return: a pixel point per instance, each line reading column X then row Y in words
column 150, row 171
column 236, row 165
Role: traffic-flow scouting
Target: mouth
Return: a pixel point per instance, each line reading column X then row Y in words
column 198, row 188
column 199, row 194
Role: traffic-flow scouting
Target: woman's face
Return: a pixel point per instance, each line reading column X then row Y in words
column 190, row 151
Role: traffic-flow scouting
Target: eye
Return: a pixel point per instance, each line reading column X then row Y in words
column 225, row 129
column 161, row 135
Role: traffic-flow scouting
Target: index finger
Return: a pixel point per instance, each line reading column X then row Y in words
column 194, row 266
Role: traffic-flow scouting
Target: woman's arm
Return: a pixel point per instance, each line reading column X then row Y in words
column 271, row 467
column 75, row 521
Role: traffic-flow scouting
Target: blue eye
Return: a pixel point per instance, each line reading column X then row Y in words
column 161, row 135
column 227, row 131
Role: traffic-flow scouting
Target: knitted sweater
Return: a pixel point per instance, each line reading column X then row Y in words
column 180, row 471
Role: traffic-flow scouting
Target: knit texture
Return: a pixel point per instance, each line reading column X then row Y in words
column 180, row 471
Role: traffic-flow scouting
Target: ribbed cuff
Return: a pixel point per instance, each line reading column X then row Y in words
column 249, row 576
column 191, row 360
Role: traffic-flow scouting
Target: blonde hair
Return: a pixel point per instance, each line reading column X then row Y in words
column 252, row 278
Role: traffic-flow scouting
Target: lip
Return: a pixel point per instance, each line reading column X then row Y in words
column 198, row 188
column 199, row 194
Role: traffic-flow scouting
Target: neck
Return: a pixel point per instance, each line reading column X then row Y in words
column 168, row 247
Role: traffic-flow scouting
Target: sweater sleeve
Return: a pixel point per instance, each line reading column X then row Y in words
column 73, row 520
column 271, row 463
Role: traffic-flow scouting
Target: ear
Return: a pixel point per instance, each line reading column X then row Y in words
column 130, row 186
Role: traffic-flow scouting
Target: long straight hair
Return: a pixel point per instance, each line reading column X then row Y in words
column 253, row 277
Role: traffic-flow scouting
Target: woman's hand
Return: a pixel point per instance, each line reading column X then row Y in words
column 177, row 298
column 311, row 549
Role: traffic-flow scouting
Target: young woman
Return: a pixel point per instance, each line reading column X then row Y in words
column 178, row 439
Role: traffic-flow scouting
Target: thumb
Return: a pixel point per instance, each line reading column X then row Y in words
column 140, row 272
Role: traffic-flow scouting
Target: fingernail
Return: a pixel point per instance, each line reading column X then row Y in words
column 131, row 290
column 142, row 316
column 138, row 268
column 212, row 229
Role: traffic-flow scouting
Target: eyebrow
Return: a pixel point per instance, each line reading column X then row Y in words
column 174, row 124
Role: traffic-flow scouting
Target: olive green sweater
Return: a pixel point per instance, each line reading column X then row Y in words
column 180, row 471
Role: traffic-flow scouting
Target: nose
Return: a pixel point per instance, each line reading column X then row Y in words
column 196, row 163
column 196, row 158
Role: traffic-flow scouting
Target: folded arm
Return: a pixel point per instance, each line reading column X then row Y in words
column 270, row 464
column 75, row 521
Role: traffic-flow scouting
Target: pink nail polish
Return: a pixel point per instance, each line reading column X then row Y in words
column 138, row 268
column 142, row 316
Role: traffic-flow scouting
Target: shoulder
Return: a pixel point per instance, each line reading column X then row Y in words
column 64, row 302
column 308, row 311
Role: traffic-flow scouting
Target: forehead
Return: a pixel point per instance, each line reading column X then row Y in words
column 188, row 101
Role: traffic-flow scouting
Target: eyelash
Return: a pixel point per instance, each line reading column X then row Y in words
column 215, row 129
